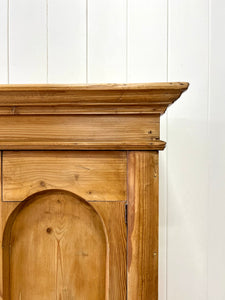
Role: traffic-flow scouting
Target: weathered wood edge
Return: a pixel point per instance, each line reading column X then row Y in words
column 105, row 86
column 89, row 99
column 150, row 99
column 29, row 145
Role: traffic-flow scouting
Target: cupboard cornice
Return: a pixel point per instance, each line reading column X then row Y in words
column 85, row 117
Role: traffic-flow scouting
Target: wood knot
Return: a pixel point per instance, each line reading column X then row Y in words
column 49, row 230
column 76, row 176
column 42, row 183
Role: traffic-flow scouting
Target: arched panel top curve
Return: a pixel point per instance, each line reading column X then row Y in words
column 50, row 241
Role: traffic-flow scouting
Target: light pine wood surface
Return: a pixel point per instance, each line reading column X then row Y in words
column 148, row 98
column 81, row 248
column 55, row 246
column 142, row 225
column 63, row 117
column 5, row 210
column 113, row 215
column 93, row 175
column 79, row 132
column 85, row 223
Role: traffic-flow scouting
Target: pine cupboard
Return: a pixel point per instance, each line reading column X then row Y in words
column 79, row 190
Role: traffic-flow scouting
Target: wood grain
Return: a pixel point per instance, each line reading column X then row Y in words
column 79, row 109
column 1, row 229
column 92, row 93
column 142, row 225
column 49, row 234
column 79, row 132
column 149, row 98
column 58, row 249
column 94, row 176
column 113, row 215
column 84, row 117
column 56, row 225
column 6, row 209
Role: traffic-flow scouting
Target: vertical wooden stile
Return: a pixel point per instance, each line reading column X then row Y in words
column 1, row 288
column 143, row 225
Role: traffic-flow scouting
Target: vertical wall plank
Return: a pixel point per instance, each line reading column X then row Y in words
column 142, row 225
column 66, row 41
column 147, row 61
column 216, row 207
column 4, row 41
column 106, row 41
column 27, row 41
column 147, row 40
column 187, row 152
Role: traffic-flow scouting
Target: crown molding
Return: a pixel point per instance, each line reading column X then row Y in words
column 147, row 98
column 85, row 117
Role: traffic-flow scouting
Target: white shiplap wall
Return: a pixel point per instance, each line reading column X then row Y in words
column 188, row 54
column 78, row 41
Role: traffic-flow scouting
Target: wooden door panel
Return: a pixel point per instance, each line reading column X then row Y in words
column 58, row 249
column 53, row 251
column 93, row 175
column 113, row 214
column 6, row 209
column 57, row 245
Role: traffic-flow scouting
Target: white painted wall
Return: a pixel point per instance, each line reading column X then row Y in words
column 79, row 41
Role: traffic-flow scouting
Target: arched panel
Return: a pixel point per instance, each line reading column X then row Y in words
column 55, row 247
